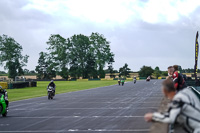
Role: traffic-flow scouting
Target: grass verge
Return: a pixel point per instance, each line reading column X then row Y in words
column 61, row 87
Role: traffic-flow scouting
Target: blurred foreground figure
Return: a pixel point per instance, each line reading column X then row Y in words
column 184, row 108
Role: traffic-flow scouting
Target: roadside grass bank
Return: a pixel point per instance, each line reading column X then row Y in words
column 61, row 87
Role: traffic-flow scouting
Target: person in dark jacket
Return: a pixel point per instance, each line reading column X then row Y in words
column 52, row 84
column 179, row 82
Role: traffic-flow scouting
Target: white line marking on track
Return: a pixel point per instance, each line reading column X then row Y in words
column 88, row 108
column 132, row 102
column 58, row 117
column 2, row 125
column 77, row 130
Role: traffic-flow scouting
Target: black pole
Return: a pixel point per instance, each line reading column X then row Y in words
column 196, row 57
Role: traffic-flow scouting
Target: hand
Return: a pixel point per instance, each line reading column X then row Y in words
column 148, row 117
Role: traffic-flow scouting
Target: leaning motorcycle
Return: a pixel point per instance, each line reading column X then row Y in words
column 3, row 106
column 50, row 92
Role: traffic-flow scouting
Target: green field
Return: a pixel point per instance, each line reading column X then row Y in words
column 61, row 87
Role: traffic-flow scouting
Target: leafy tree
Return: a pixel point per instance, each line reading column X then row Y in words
column 11, row 56
column 79, row 55
column 110, row 67
column 2, row 72
column 80, row 49
column 189, row 70
column 64, row 72
column 115, row 71
column 59, row 54
column 157, row 72
column 101, row 72
column 32, row 72
column 124, row 71
column 50, row 70
column 102, row 52
column 26, row 71
column 42, row 64
column 145, row 71
column 90, row 67
column 164, row 73
column 45, row 68
column 29, row 72
column 74, row 70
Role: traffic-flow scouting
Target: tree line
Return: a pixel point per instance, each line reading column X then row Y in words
column 11, row 57
column 73, row 57
column 77, row 56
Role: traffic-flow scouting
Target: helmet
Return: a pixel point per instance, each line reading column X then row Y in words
column 51, row 80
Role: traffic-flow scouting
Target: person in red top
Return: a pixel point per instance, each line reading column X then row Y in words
column 179, row 82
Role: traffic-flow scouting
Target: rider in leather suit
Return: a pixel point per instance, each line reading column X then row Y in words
column 4, row 92
column 184, row 108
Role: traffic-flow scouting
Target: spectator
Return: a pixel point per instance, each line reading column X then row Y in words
column 184, row 108
column 178, row 79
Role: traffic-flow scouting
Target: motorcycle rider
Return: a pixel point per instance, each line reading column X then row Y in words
column 52, row 84
column 148, row 78
column 177, row 77
column 119, row 80
column 4, row 92
column 184, row 108
column 134, row 79
column 122, row 81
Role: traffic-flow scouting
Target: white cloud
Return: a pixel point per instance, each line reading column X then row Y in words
column 167, row 11
column 117, row 11
column 136, row 28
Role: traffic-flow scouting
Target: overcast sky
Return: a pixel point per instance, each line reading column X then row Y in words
column 141, row 32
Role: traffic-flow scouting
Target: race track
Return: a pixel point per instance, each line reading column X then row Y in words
column 111, row 109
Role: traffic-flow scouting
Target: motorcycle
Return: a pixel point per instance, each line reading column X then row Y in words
column 122, row 81
column 50, row 92
column 134, row 81
column 148, row 79
column 119, row 82
column 3, row 106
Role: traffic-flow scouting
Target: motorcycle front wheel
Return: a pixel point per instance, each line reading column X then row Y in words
column 49, row 96
column 5, row 114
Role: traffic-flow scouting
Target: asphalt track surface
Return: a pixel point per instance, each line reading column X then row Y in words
column 111, row 109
